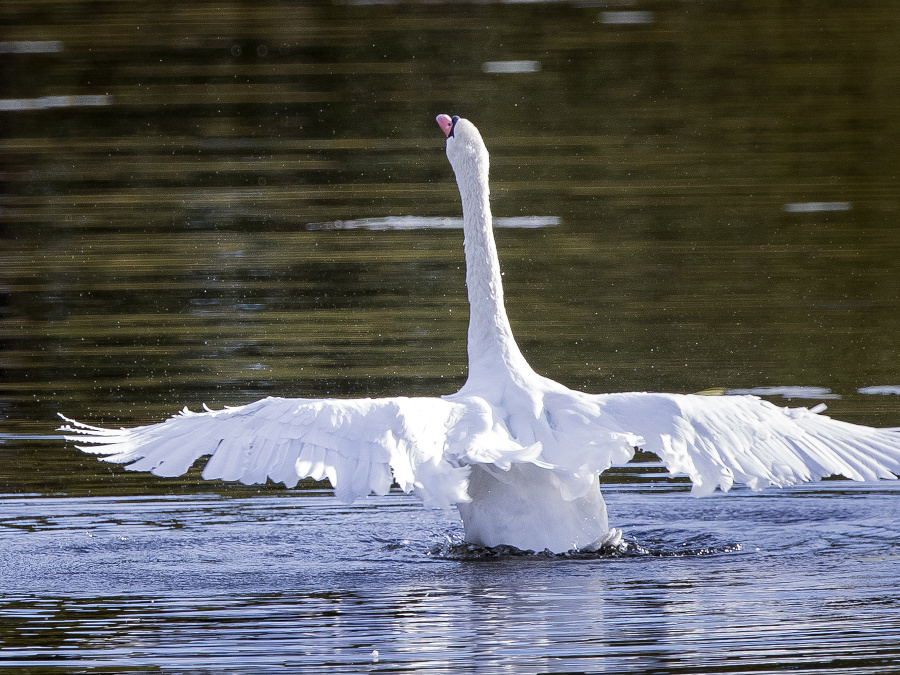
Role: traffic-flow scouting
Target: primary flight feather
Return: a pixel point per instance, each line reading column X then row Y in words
column 518, row 454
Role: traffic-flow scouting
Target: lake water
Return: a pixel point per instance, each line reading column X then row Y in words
column 803, row 580
column 218, row 202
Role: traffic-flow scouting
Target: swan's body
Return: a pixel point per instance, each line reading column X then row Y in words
column 517, row 453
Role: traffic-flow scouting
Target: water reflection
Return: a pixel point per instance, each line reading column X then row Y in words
column 788, row 392
column 47, row 102
column 510, row 66
column 815, row 207
column 623, row 17
column 881, row 389
column 425, row 223
column 31, row 47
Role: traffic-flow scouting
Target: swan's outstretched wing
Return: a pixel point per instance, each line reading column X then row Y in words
column 360, row 445
column 426, row 445
column 717, row 440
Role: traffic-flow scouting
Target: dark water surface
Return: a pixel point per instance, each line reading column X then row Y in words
column 214, row 202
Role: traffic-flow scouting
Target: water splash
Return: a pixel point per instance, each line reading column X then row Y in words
column 453, row 548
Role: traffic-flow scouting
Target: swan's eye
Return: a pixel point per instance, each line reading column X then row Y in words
column 453, row 122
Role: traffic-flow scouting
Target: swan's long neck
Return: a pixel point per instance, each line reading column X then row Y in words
column 491, row 343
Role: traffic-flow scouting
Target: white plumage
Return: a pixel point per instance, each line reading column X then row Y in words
column 517, row 453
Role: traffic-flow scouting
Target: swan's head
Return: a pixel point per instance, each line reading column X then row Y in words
column 465, row 149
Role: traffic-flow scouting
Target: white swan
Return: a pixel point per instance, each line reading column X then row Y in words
column 517, row 453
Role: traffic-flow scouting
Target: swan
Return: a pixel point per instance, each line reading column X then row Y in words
column 516, row 453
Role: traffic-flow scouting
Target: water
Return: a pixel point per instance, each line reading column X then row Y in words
column 217, row 204
column 260, row 584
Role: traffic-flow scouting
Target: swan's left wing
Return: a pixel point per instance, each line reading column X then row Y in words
column 360, row 445
column 719, row 440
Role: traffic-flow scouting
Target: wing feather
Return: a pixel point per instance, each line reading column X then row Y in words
column 284, row 467
column 311, row 462
column 721, row 440
column 428, row 444
column 359, row 445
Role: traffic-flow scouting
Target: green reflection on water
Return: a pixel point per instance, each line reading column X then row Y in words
column 155, row 251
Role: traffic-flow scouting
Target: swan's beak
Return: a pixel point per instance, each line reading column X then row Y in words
column 445, row 122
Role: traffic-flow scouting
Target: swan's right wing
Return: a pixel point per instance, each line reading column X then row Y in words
column 719, row 440
column 359, row 445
